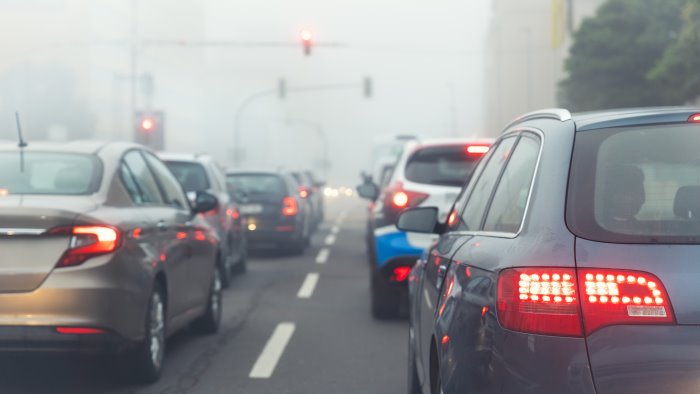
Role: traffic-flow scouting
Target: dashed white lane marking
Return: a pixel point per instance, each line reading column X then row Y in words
column 322, row 256
column 271, row 353
column 335, row 229
column 427, row 299
column 330, row 239
column 307, row 288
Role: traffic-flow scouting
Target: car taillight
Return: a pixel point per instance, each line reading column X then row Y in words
column 87, row 242
column 622, row 297
column 289, row 206
column 303, row 192
column 547, row 300
column 477, row 150
column 399, row 198
column 694, row 118
column 539, row 301
column 400, row 274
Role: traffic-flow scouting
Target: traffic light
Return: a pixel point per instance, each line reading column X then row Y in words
column 306, row 40
column 149, row 129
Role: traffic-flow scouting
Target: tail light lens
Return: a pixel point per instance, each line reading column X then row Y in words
column 87, row 242
column 303, row 192
column 289, row 206
column 622, row 297
column 477, row 150
column 399, row 198
column 539, row 301
column 400, row 274
column 547, row 301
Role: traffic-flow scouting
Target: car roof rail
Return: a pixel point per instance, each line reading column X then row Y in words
column 560, row 114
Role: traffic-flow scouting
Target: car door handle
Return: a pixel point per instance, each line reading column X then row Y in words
column 441, row 271
column 162, row 226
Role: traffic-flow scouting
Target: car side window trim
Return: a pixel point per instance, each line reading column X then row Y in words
column 133, row 176
column 497, row 234
column 125, row 165
column 161, row 188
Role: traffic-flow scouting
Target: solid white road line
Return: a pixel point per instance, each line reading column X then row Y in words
column 330, row 239
column 271, row 353
column 307, row 288
column 322, row 256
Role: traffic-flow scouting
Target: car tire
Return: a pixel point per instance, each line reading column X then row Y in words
column 145, row 361
column 242, row 266
column 385, row 300
column 210, row 322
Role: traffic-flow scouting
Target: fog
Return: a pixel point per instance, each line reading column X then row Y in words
column 66, row 69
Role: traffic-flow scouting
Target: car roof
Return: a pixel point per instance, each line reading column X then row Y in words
column 189, row 157
column 632, row 117
column 84, row 147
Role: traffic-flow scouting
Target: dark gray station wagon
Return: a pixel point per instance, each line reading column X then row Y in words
column 570, row 263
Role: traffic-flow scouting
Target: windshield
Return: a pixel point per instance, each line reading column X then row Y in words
column 637, row 185
column 192, row 175
column 257, row 186
column 440, row 165
column 49, row 173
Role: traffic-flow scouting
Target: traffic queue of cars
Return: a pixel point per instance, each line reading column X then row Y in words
column 567, row 263
column 105, row 248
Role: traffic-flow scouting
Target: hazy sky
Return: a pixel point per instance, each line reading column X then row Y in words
column 425, row 58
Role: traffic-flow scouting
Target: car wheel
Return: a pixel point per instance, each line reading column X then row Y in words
column 385, row 300
column 146, row 360
column 211, row 320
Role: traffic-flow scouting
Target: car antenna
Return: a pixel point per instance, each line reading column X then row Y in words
column 22, row 143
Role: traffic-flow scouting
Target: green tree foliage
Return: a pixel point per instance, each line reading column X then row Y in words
column 614, row 52
column 678, row 71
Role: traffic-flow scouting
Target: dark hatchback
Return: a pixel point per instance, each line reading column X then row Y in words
column 572, row 264
column 277, row 214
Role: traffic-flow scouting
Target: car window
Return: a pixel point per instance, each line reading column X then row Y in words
column 510, row 199
column 174, row 194
column 636, row 185
column 258, row 187
column 448, row 165
column 192, row 175
column 146, row 183
column 481, row 192
column 130, row 184
column 49, row 173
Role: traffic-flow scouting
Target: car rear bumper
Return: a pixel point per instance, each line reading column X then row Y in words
column 104, row 293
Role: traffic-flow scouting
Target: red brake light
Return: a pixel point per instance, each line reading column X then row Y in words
column 546, row 300
column 400, row 274
column 400, row 198
column 303, row 192
column 622, row 297
column 289, row 206
column 539, row 301
column 477, row 150
column 694, row 118
column 87, row 242
column 79, row 330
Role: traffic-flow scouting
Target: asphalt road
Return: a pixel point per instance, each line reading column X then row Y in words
column 291, row 325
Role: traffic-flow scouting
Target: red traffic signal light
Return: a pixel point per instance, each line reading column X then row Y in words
column 148, row 124
column 306, row 39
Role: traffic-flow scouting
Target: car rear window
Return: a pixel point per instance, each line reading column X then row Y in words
column 191, row 175
column 49, row 173
column 258, row 186
column 636, row 185
column 440, row 165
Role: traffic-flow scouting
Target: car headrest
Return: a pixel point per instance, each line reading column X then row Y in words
column 686, row 205
column 624, row 191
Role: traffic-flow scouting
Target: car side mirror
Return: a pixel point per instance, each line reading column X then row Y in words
column 369, row 191
column 204, row 202
column 419, row 220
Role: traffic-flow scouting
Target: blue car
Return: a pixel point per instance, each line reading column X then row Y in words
column 573, row 263
column 427, row 173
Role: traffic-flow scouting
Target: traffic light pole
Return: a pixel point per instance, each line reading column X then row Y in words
column 238, row 152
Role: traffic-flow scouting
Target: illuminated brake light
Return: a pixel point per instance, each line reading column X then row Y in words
column 400, row 274
column 694, row 118
column 79, row 331
column 622, row 297
column 477, row 150
column 303, row 192
column 289, row 206
column 539, row 300
column 87, row 242
column 400, row 199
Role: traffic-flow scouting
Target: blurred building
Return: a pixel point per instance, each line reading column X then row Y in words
column 526, row 48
